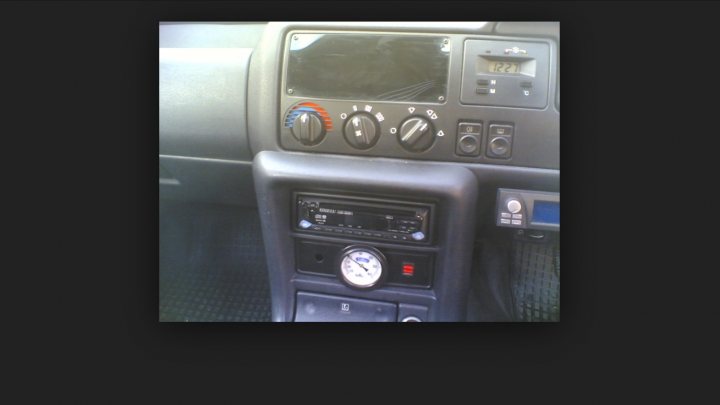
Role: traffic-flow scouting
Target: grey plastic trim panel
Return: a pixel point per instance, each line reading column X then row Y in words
column 210, row 34
column 206, row 160
column 545, row 29
column 207, row 180
column 203, row 93
column 400, row 26
column 452, row 188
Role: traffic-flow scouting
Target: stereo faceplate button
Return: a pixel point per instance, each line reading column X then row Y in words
column 514, row 206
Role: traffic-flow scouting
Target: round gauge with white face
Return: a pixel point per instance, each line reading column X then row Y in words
column 362, row 267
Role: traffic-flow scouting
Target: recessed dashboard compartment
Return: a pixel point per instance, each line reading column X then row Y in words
column 327, row 308
column 368, row 66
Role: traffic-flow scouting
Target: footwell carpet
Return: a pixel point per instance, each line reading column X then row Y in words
column 536, row 281
column 212, row 265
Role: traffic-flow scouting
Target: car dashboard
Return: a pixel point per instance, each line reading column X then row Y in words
column 402, row 172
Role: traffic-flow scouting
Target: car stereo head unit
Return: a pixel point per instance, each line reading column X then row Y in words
column 365, row 219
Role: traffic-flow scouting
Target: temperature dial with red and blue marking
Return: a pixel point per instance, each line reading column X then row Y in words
column 308, row 123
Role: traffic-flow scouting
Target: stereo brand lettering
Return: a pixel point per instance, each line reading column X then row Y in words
column 333, row 211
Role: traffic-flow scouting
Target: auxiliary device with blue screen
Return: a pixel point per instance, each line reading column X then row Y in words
column 546, row 212
column 526, row 209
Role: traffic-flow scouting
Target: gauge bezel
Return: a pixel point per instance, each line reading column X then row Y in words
column 354, row 248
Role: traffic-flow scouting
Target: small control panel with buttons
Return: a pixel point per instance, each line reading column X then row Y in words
column 511, row 212
column 505, row 73
column 526, row 209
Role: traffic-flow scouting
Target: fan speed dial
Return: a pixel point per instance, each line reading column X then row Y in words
column 361, row 130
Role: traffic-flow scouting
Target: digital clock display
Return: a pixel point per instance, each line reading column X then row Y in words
column 504, row 67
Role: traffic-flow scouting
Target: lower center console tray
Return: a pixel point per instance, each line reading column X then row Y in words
column 328, row 308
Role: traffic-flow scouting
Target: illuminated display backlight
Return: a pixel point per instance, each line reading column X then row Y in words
column 546, row 212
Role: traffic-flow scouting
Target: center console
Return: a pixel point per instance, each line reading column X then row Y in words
column 371, row 151
column 341, row 253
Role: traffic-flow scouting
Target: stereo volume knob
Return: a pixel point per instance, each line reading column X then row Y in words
column 308, row 128
column 514, row 206
column 361, row 130
column 416, row 134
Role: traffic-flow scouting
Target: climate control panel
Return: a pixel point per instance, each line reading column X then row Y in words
column 466, row 99
column 394, row 130
column 400, row 128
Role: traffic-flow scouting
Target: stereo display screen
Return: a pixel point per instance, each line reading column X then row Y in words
column 361, row 218
column 546, row 212
column 368, row 67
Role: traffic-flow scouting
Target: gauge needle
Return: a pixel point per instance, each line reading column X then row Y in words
column 363, row 267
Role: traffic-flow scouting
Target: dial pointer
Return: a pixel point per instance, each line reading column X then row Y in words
column 358, row 263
